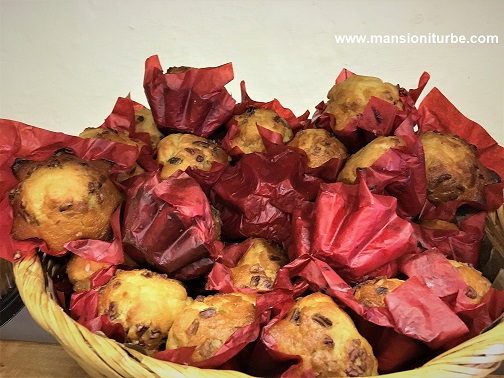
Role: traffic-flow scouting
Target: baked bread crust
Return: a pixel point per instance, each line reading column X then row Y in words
column 478, row 285
column 181, row 151
column 248, row 139
column 372, row 293
column 145, row 303
column 258, row 267
column 325, row 337
column 319, row 145
column 367, row 156
column 350, row 97
column 63, row 199
column 453, row 169
column 209, row 321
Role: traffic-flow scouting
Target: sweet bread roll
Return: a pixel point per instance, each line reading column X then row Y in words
column 79, row 271
column 371, row 293
column 63, row 199
column 477, row 283
column 350, row 97
column 326, row 339
column 144, row 123
column 319, row 145
column 115, row 136
column 453, row 169
column 367, row 156
column 438, row 224
column 180, row 151
column 248, row 139
column 109, row 134
column 209, row 321
column 145, row 303
column 258, row 267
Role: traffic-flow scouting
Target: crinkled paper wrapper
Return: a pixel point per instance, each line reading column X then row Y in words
column 195, row 101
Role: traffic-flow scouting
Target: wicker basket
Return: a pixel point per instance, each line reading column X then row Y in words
column 103, row 357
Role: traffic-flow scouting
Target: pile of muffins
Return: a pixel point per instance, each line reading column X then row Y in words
column 237, row 228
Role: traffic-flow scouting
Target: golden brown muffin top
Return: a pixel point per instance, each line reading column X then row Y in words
column 438, row 224
column 248, row 139
column 453, row 169
column 79, row 271
column 325, row 337
column 63, row 199
column 109, row 134
column 144, row 123
column 367, row 156
column 180, row 151
column 119, row 137
column 350, row 97
column 179, row 69
column 372, row 293
column 145, row 303
column 478, row 284
column 258, row 267
column 319, row 145
column 209, row 321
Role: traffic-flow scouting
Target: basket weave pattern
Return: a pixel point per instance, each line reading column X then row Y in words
column 103, row 357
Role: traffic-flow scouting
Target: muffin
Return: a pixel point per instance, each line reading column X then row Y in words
column 209, row 321
column 178, row 69
column 180, row 151
column 63, row 199
column 248, row 139
column 115, row 136
column 371, row 293
column 145, row 303
column 144, row 123
column 109, row 134
column 258, row 267
column 350, row 97
column 367, row 156
column 79, row 271
column 326, row 339
column 453, row 169
column 478, row 285
column 438, row 224
column 319, row 145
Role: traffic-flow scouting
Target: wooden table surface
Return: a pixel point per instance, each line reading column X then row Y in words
column 39, row 360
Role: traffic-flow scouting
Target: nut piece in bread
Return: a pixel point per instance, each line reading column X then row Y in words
column 258, row 267
column 210, row 321
column 145, row 303
column 319, row 145
column 453, row 169
column 367, row 156
column 371, row 293
column 248, row 139
column 180, row 151
column 350, row 97
column 63, row 199
column 326, row 339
